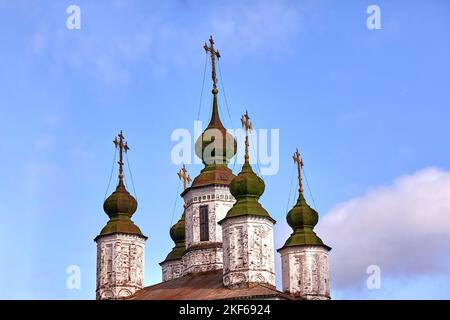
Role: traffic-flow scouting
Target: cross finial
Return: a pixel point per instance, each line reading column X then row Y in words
column 299, row 161
column 123, row 146
column 245, row 120
column 214, row 54
column 182, row 174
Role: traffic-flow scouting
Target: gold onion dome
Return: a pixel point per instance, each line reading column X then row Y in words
column 120, row 205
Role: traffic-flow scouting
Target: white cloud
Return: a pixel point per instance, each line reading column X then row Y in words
column 404, row 228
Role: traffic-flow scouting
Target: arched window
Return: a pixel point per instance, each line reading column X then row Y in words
column 204, row 223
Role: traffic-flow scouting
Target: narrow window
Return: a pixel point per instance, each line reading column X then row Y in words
column 204, row 223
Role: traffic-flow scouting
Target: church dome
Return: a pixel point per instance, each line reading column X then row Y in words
column 178, row 235
column 302, row 215
column 120, row 202
column 302, row 219
column 215, row 145
column 177, row 231
column 247, row 188
column 120, row 205
column 247, row 183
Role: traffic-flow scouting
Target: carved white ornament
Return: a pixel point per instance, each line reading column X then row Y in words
column 248, row 251
column 172, row 269
column 120, row 265
column 305, row 272
column 219, row 200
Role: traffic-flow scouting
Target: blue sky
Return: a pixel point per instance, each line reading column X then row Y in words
column 369, row 110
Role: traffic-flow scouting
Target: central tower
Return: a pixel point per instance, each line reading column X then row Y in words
column 209, row 199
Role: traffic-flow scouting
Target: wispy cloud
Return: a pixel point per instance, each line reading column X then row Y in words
column 248, row 27
column 112, row 46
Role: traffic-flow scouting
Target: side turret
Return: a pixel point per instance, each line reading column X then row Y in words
column 120, row 244
column 304, row 256
column 247, row 230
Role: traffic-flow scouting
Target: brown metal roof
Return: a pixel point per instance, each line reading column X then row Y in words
column 204, row 286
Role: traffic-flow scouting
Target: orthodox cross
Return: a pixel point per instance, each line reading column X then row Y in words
column 299, row 161
column 182, row 174
column 214, row 54
column 123, row 146
column 245, row 120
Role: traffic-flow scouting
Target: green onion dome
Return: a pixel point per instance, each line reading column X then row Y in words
column 215, row 145
column 178, row 232
column 178, row 235
column 120, row 202
column 302, row 215
column 302, row 219
column 247, row 188
column 247, row 183
column 120, row 206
